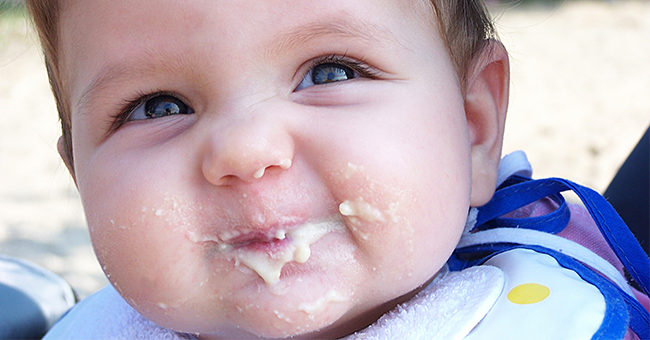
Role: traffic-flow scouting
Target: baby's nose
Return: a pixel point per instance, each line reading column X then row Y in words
column 247, row 150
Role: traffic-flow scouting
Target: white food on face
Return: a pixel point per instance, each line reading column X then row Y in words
column 227, row 236
column 361, row 209
column 285, row 163
column 352, row 170
column 269, row 265
column 259, row 173
column 318, row 305
column 280, row 234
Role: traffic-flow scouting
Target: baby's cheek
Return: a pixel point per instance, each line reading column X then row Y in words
column 148, row 260
column 375, row 208
column 402, row 222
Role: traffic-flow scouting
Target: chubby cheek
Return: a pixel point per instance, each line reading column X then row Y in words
column 139, row 234
column 406, row 234
column 146, row 257
column 406, row 217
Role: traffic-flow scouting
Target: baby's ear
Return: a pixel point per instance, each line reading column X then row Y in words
column 67, row 159
column 486, row 103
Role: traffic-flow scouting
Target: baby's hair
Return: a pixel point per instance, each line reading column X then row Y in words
column 465, row 25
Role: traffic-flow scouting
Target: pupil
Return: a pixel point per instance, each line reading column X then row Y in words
column 164, row 106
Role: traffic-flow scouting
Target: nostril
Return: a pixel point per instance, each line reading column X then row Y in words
column 226, row 180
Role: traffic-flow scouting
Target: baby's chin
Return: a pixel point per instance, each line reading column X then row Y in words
column 308, row 310
column 294, row 307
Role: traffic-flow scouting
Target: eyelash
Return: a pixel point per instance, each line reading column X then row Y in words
column 357, row 65
column 129, row 106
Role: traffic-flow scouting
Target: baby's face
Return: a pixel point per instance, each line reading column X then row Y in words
column 265, row 167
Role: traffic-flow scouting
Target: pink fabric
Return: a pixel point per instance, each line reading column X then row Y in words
column 583, row 230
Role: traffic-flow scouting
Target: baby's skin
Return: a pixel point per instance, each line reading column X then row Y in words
column 274, row 168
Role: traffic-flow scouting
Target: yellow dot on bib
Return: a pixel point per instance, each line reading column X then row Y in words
column 528, row 293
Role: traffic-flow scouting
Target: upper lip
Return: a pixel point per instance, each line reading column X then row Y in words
column 241, row 238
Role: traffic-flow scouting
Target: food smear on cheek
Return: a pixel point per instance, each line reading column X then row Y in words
column 361, row 209
column 378, row 212
column 358, row 210
column 360, row 214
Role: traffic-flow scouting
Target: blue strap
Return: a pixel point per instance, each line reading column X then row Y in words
column 521, row 192
column 552, row 223
column 613, row 229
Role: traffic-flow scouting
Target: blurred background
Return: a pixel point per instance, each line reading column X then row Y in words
column 580, row 101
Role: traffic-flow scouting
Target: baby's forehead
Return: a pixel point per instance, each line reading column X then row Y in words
column 306, row 18
column 128, row 38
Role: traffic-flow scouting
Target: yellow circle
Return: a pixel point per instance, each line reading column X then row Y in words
column 528, row 293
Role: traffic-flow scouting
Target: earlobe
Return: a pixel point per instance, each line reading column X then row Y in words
column 61, row 148
column 486, row 104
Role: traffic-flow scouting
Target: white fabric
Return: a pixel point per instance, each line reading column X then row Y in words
column 447, row 310
column 573, row 308
column 515, row 163
column 105, row 315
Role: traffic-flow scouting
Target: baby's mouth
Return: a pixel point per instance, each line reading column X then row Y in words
column 254, row 239
column 266, row 253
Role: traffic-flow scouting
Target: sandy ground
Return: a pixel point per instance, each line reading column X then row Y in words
column 579, row 103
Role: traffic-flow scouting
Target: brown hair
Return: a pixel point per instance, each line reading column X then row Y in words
column 45, row 15
column 465, row 26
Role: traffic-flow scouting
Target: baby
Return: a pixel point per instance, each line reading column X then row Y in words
column 274, row 168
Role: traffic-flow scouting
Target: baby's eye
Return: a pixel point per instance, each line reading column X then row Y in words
column 325, row 74
column 159, row 106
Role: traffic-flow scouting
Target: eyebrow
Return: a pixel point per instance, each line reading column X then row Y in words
column 145, row 64
column 344, row 26
column 99, row 82
column 150, row 62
